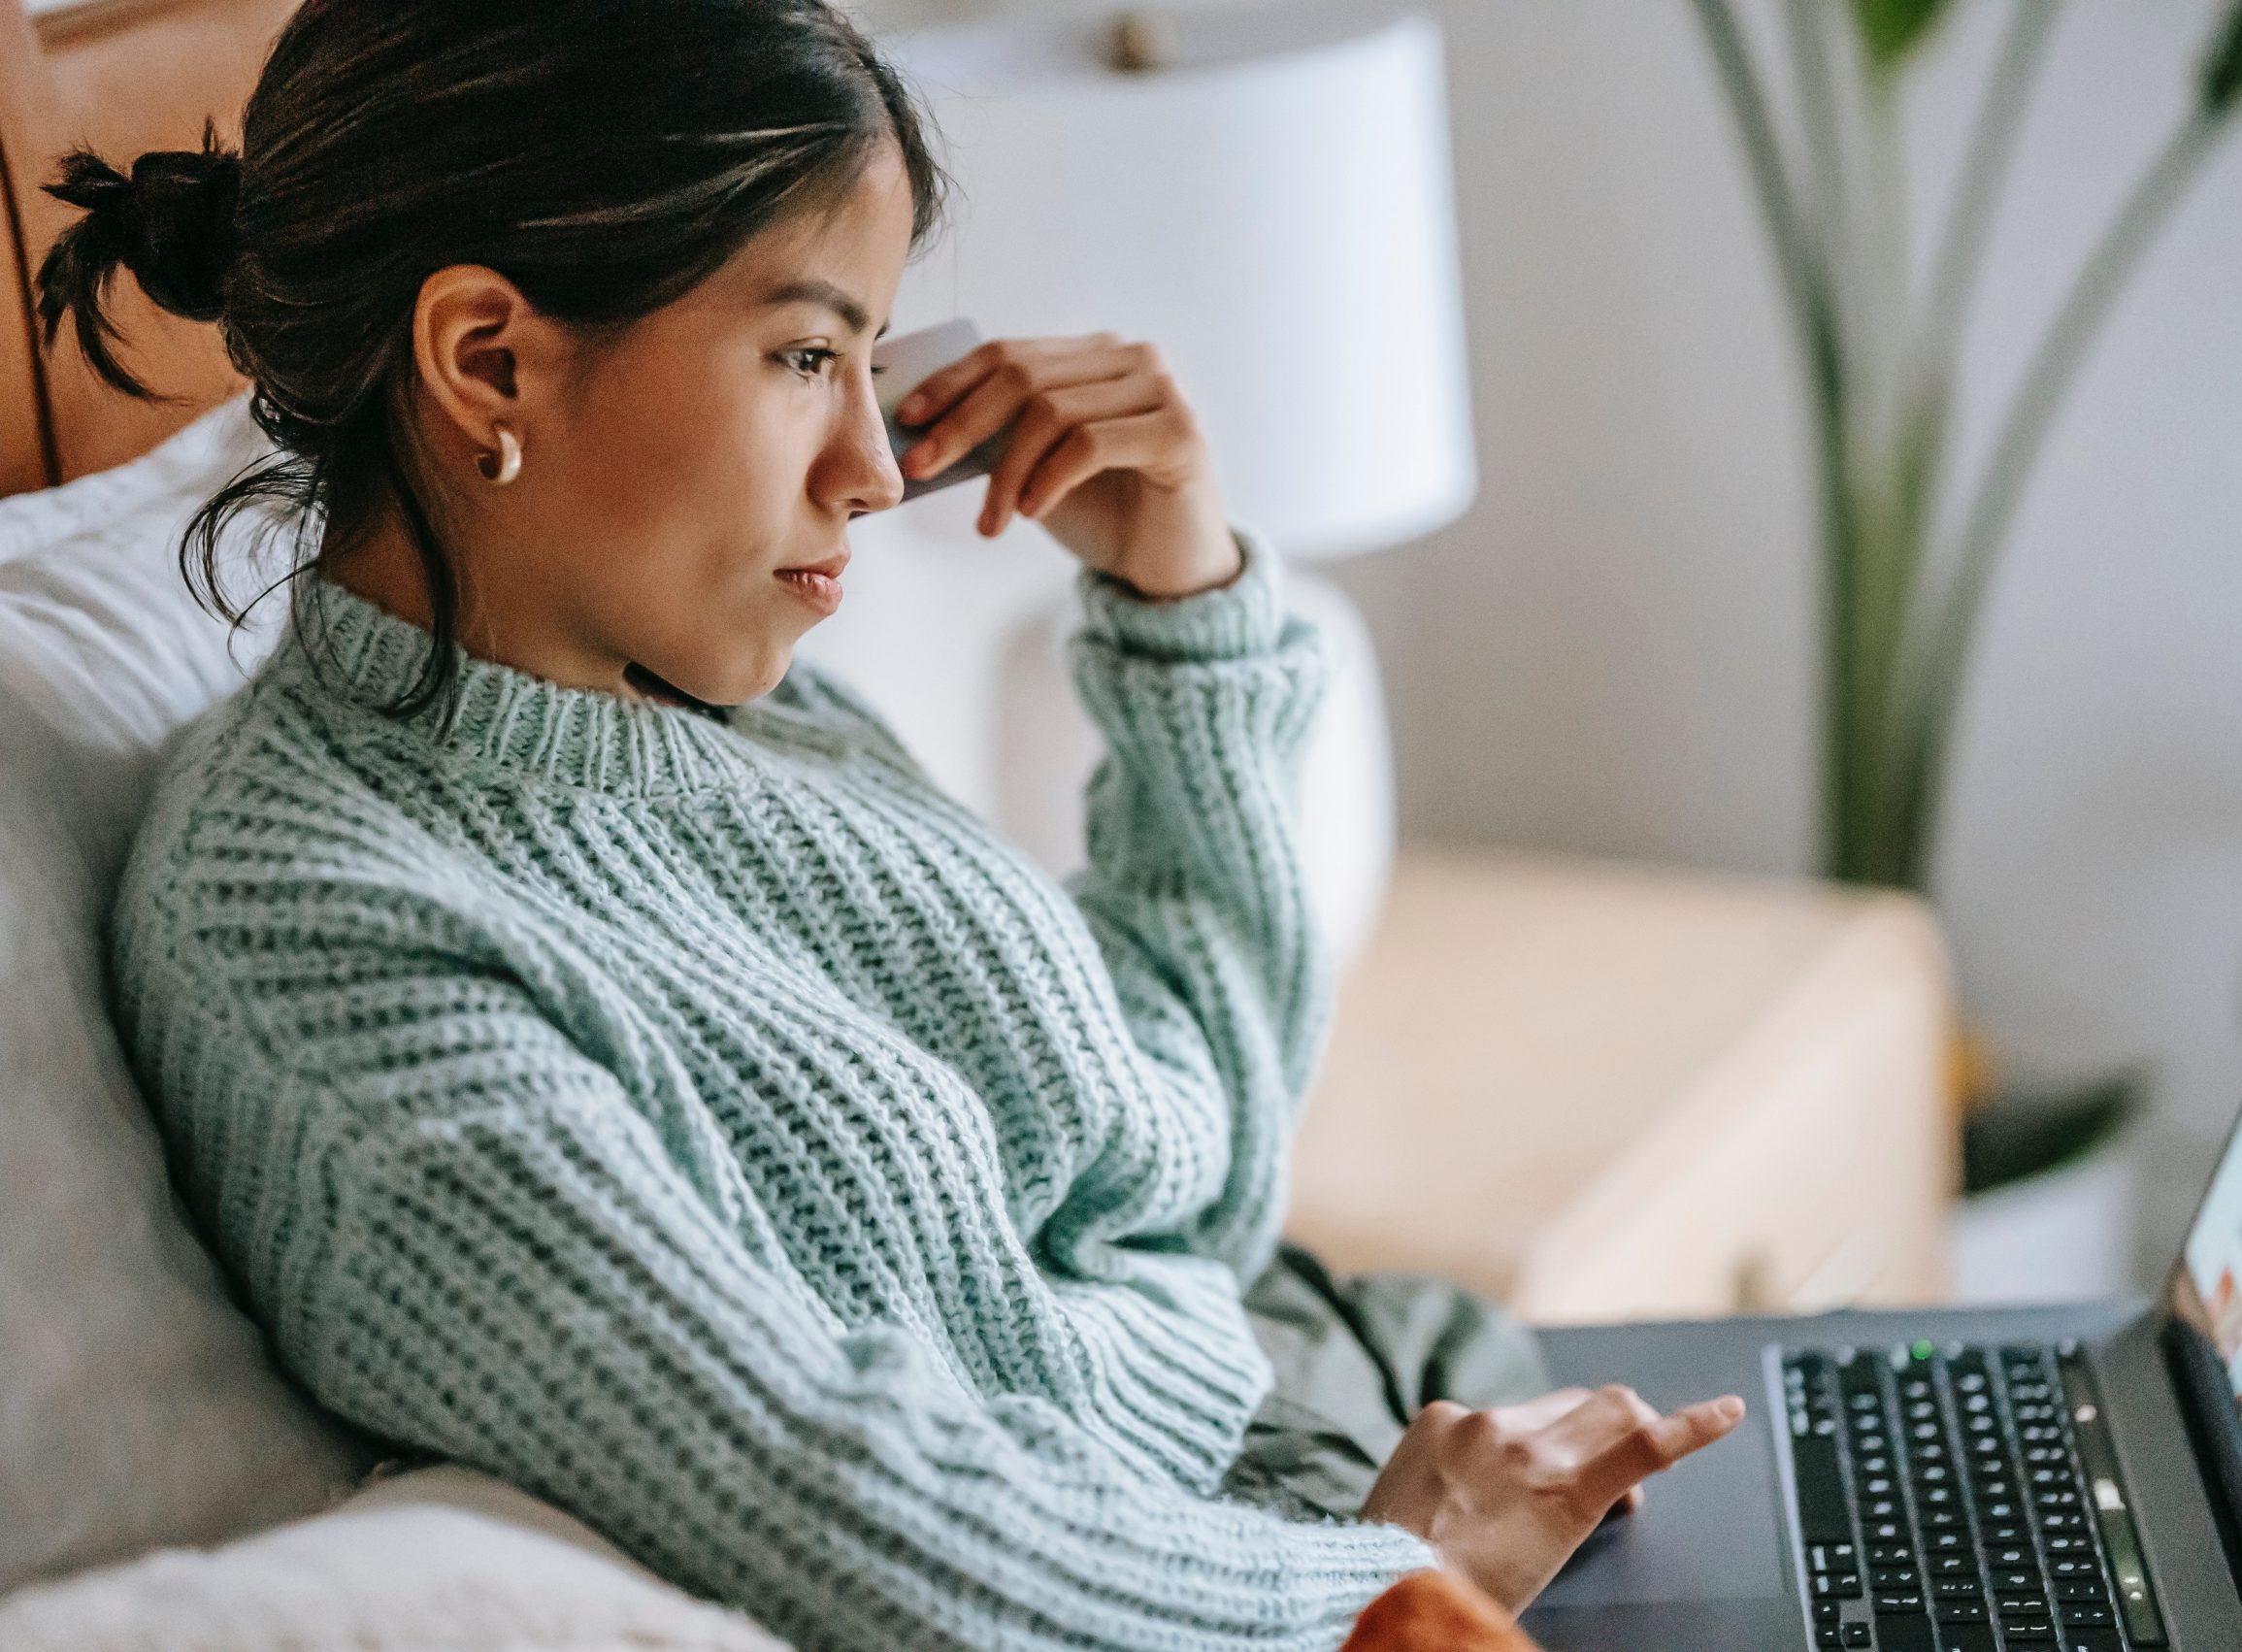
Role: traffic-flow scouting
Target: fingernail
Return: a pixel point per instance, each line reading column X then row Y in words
column 1730, row 1407
column 907, row 409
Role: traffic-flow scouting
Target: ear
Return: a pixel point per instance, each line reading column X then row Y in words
column 483, row 353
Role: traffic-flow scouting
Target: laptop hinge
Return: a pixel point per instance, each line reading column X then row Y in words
column 2214, row 1419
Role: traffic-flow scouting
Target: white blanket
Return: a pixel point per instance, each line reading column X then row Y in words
column 438, row 1560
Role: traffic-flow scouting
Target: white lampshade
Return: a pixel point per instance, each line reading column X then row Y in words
column 1276, row 211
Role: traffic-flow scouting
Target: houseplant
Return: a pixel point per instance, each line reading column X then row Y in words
column 1908, row 546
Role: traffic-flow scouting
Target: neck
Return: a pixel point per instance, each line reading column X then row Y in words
column 382, row 565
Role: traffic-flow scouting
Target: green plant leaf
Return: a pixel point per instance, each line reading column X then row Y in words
column 2022, row 1134
column 1892, row 28
column 2223, row 66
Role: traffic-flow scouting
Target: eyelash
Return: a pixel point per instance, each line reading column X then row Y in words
column 827, row 354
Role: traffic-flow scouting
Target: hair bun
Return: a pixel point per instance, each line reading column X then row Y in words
column 171, row 223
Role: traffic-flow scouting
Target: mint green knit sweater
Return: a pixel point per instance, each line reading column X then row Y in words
column 712, row 1127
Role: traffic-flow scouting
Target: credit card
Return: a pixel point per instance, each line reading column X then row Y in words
column 910, row 359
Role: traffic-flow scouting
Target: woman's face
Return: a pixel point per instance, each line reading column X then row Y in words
column 671, row 474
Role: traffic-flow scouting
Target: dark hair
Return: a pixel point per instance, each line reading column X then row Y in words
column 603, row 156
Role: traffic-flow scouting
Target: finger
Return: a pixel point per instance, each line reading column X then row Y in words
column 1655, row 1445
column 975, row 407
column 1541, row 1410
column 1140, row 441
column 935, row 393
column 996, row 399
column 1045, row 421
column 1605, row 1416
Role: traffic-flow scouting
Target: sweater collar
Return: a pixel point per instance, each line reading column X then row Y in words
column 508, row 720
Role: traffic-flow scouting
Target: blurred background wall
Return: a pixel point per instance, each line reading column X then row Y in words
column 1614, row 651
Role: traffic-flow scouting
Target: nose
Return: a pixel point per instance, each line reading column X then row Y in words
column 857, row 472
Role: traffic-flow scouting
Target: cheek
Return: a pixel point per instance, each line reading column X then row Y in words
column 684, row 454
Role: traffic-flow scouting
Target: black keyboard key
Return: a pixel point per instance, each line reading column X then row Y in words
column 2086, row 1612
column 1964, row 1637
column 1895, row 1602
column 2095, row 1640
column 1905, row 1635
column 1959, row 1611
column 1821, row 1493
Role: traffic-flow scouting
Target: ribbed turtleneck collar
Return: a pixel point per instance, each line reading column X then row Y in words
column 508, row 720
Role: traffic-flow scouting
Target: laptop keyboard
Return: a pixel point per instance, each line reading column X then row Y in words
column 1961, row 1499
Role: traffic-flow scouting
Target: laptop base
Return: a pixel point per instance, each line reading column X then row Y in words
column 1707, row 1562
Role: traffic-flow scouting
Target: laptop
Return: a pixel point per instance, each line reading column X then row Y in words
column 2042, row 1479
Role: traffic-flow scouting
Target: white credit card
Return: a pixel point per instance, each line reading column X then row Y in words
column 910, row 359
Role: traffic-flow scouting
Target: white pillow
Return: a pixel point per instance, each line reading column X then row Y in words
column 440, row 1559
column 137, row 1404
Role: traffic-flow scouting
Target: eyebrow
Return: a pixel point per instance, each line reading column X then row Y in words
column 830, row 296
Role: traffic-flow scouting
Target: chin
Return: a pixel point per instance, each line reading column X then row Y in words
column 750, row 681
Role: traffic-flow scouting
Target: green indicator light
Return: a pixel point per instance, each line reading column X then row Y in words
column 1922, row 1350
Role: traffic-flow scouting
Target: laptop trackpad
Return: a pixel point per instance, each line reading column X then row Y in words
column 1690, row 1569
column 1705, row 1561
column 1708, row 1530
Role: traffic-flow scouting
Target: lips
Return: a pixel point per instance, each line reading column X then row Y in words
column 818, row 583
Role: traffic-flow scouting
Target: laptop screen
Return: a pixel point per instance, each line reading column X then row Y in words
column 2207, row 1284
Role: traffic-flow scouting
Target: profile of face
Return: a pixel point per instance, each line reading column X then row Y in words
column 673, row 471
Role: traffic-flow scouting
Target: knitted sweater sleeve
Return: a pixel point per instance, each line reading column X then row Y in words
column 1193, row 888
column 467, row 1232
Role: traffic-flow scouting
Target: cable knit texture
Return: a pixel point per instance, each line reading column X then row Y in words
column 708, row 1125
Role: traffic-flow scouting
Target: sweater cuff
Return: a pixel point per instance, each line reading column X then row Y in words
column 1244, row 617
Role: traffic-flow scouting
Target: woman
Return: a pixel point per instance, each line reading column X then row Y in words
column 599, row 1054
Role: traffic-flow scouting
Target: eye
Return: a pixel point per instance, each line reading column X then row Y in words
column 815, row 354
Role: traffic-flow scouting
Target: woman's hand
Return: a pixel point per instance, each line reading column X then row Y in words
column 1506, row 1494
column 1107, row 455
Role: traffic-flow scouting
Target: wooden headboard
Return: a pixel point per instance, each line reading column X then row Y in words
column 124, row 75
